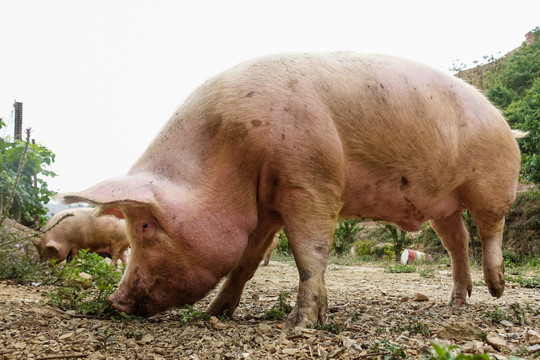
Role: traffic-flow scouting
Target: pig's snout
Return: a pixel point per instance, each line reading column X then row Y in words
column 120, row 303
column 143, row 306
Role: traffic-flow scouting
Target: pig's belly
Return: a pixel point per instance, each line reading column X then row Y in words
column 408, row 209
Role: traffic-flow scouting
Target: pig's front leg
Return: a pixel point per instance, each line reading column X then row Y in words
column 310, row 225
column 230, row 292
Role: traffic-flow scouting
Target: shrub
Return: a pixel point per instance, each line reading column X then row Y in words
column 72, row 294
column 364, row 247
column 345, row 235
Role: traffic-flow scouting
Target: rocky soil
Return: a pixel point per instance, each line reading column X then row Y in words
column 404, row 312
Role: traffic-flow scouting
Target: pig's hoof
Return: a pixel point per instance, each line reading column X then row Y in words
column 304, row 317
column 459, row 297
column 220, row 310
column 496, row 285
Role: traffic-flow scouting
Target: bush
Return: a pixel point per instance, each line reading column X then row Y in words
column 75, row 293
column 345, row 235
column 364, row 247
column 522, row 230
column 283, row 243
column 22, row 163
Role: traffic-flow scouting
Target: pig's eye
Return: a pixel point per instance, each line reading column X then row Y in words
column 145, row 227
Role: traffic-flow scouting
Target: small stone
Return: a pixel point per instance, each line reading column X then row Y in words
column 290, row 351
column 85, row 280
column 147, row 338
column 270, row 347
column 404, row 299
column 506, row 323
column 496, row 342
column 533, row 337
column 264, row 327
column 420, row 297
column 20, row 345
column 533, row 349
column 458, row 330
column 66, row 336
column 473, row 347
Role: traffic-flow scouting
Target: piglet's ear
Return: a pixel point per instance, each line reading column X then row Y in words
column 116, row 190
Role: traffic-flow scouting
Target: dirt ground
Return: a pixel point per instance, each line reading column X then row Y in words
column 402, row 311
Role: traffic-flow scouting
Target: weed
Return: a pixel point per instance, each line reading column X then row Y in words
column 496, row 316
column 518, row 313
column 387, row 350
column 105, row 337
column 399, row 269
column 482, row 335
column 531, row 283
column 331, row 327
column 446, row 353
column 427, row 273
column 136, row 334
column 274, row 314
column 188, row 314
column 279, row 311
column 75, row 294
column 414, row 327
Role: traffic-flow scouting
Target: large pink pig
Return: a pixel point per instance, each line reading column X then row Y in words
column 298, row 141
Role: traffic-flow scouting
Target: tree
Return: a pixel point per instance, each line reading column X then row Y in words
column 525, row 114
column 28, row 201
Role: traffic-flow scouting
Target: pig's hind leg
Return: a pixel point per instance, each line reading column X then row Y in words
column 230, row 292
column 455, row 240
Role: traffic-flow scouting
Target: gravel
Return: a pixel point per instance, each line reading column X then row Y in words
column 366, row 306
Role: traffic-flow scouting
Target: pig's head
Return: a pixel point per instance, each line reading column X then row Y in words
column 49, row 248
column 180, row 249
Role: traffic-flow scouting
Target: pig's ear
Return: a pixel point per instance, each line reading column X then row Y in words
column 114, row 191
column 53, row 245
column 109, row 210
column 112, row 195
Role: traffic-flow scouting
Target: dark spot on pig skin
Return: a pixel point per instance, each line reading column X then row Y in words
column 236, row 130
column 282, row 136
column 304, row 274
column 256, row 122
column 213, row 125
column 404, row 182
column 250, row 94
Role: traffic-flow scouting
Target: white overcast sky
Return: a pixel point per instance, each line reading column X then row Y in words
column 98, row 79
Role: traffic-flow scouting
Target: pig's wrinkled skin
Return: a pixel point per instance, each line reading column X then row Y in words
column 298, row 141
column 83, row 230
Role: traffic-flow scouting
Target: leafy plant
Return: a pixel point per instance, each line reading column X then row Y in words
column 387, row 351
column 105, row 337
column 281, row 309
column 283, row 243
column 400, row 269
column 24, row 164
column 75, row 294
column 345, row 235
column 445, row 353
column 400, row 239
column 331, row 327
column 496, row 316
column 414, row 327
column 188, row 314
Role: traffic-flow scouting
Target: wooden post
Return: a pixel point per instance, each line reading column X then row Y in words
column 18, row 120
